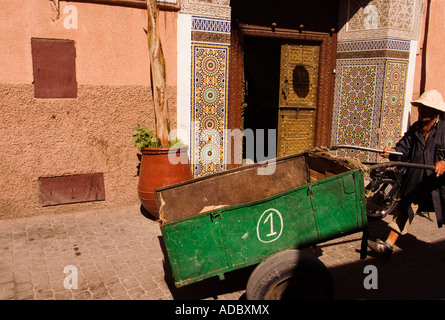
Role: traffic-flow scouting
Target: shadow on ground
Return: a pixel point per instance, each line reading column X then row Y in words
column 414, row 271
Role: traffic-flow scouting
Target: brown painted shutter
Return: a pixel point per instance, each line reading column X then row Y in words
column 54, row 67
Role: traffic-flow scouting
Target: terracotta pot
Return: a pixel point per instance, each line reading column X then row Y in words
column 161, row 167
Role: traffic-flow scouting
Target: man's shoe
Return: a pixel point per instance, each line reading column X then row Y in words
column 381, row 247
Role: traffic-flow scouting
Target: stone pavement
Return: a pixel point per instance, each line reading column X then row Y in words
column 119, row 254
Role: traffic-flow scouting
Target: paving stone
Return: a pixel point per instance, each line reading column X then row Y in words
column 119, row 254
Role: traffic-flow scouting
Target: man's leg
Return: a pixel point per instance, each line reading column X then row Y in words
column 392, row 238
column 398, row 227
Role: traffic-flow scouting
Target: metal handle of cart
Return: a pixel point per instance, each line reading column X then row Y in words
column 348, row 146
column 385, row 164
column 402, row 164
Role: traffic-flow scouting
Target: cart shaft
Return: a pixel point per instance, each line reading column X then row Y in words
column 334, row 147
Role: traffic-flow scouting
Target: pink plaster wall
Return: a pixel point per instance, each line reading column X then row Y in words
column 89, row 134
column 110, row 40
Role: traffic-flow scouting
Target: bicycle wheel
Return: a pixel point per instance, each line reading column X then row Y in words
column 383, row 200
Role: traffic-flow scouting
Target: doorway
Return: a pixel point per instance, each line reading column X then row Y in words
column 261, row 87
column 282, row 80
column 280, row 95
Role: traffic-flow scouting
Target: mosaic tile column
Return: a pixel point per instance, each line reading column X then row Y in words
column 369, row 96
column 373, row 57
column 210, row 51
column 210, row 64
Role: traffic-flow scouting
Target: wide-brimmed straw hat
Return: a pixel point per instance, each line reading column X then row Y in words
column 431, row 98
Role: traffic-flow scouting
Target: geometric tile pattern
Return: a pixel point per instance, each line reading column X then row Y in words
column 372, row 69
column 382, row 14
column 368, row 105
column 357, row 105
column 394, row 95
column 209, row 94
column 375, row 44
column 207, row 8
column 210, row 24
column 380, row 19
column 369, row 99
column 209, row 107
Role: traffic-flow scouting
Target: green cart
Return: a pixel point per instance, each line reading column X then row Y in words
column 238, row 218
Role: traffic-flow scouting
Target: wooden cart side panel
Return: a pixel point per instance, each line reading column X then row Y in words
column 195, row 249
column 254, row 232
column 325, row 167
column 338, row 205
column 361, row 199
column 229, row 189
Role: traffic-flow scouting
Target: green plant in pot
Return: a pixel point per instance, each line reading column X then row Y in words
column 146, row 138
column 160, row 166
column 163, row 162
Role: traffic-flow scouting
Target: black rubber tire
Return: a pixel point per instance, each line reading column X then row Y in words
column 290, row 275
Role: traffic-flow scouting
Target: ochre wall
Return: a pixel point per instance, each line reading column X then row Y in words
column 88, row 134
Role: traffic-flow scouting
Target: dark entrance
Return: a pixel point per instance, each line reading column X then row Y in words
column 261, row 87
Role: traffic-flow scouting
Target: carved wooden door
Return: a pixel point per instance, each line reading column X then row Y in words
column 298, row 97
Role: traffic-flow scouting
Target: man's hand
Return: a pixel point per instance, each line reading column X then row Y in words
column 386, row 154
column 440, row 168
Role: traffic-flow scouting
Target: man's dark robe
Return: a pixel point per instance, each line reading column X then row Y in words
column 420, row 186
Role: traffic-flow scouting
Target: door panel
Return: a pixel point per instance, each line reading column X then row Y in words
column 297, row 97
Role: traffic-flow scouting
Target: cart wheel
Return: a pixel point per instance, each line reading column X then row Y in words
column 384, row 200
column 290, row 274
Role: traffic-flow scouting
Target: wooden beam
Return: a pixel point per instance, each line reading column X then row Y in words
column 158, row 73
